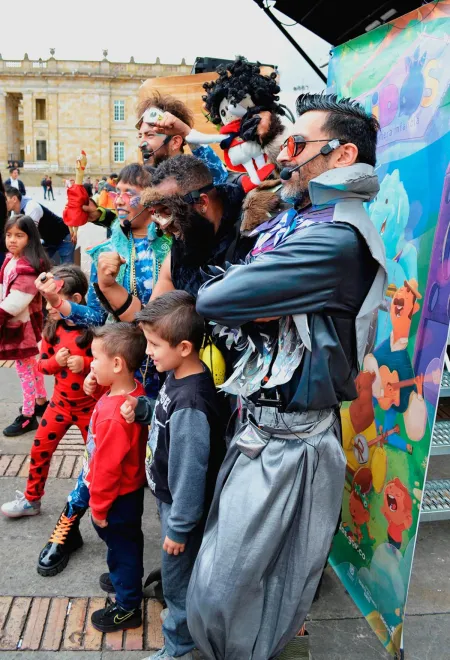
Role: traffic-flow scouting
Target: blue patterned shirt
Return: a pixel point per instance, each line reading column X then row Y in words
column 213, row 163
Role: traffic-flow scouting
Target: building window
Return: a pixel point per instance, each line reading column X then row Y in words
column 41, row 109
column 119, row 110
column 41, row 149
column 119, row 152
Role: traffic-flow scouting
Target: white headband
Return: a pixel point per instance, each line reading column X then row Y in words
column 150, row 116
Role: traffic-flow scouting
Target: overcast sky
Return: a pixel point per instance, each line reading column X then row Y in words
column 168, row 29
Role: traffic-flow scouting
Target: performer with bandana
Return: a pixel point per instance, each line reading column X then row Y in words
column 320, row 269
column 127, row 265
column 157, row 147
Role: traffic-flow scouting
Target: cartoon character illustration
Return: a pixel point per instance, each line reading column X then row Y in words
column 362, row 442
column 389, row 212
column 360, row 515
column 412, row 89
column 235, row 101
column 397, row 509
column 359, row 505
column 396, row 387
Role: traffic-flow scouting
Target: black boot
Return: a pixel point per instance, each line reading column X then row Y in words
column 153, row 586
column 65, row 539
column 106, row 583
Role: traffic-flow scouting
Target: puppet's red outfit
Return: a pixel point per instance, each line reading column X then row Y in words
column 232, row 129
column 69, row 406
column 73, row 214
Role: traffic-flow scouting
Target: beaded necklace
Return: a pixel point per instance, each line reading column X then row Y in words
column 134, row 292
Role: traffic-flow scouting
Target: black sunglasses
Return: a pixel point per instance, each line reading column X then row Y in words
column 193, row 197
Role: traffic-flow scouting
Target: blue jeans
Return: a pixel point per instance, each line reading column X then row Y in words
column 79, row 496
column 65, row 250
column 125, row 541
column 176, row 573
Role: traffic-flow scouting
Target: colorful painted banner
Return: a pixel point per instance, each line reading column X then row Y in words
column 401, row 73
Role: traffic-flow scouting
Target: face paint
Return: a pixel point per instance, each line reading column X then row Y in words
column 132, row 198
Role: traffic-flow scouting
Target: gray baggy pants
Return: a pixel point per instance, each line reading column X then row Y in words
column 268, row 536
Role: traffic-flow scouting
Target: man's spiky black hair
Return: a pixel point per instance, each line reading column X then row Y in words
column 236, row 81
column 347, row 120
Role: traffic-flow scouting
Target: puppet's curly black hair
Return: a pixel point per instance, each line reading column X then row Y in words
column 236, row 81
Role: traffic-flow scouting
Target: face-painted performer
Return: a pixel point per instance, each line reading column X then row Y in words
column 124, row 271
column 320, row 269
column 158, row 112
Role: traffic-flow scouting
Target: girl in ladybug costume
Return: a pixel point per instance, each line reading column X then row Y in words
column 66, row 354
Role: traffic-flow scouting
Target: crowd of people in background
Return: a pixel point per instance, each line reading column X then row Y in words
column 274, row 287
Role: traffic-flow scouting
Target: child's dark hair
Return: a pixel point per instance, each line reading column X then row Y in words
column 75, row 281
column 174, row 318
column 125, row 340
column 33, row 250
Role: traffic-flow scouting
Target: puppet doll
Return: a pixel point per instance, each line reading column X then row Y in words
column 77, row 197
column 235, row 101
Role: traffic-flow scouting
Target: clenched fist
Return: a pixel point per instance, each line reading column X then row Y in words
column 75, row 364
column 90, row 384
column 108, row 267
column 62, row 356
column 171, row 125
column 46, row 284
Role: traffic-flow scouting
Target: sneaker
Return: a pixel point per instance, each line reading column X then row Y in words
column 21, row 425
column 39, row 408
column 113, row 617
column 21, row 507
column 163, row 655
column 106, row 583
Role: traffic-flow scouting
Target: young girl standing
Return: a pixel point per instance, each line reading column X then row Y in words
column 21, row 316
column 66, row 354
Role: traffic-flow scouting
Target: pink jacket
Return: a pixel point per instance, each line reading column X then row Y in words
column 21, row 315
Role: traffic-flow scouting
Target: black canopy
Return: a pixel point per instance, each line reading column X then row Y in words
column 337, row 21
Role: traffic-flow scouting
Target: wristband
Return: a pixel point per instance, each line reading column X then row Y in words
column 61, row 300
column 125, row 306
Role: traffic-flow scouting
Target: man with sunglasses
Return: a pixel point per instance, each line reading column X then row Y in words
column 319, row 268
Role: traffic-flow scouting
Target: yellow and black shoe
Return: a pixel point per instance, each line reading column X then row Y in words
column 113, row 617
column 65, row 539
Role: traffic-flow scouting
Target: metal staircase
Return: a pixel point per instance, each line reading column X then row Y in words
column 436, row 497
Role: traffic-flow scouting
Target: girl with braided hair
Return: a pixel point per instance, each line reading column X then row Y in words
column 65, row 354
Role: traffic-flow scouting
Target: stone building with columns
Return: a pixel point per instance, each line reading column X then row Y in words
column 51, row 109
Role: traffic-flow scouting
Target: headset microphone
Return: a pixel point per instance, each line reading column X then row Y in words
column 146, row 154
column 286, row 172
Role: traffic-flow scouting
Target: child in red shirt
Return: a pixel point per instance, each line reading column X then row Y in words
column 66, row 354
column 114, row 472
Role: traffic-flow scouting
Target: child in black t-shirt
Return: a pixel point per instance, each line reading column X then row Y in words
column 185, row 450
